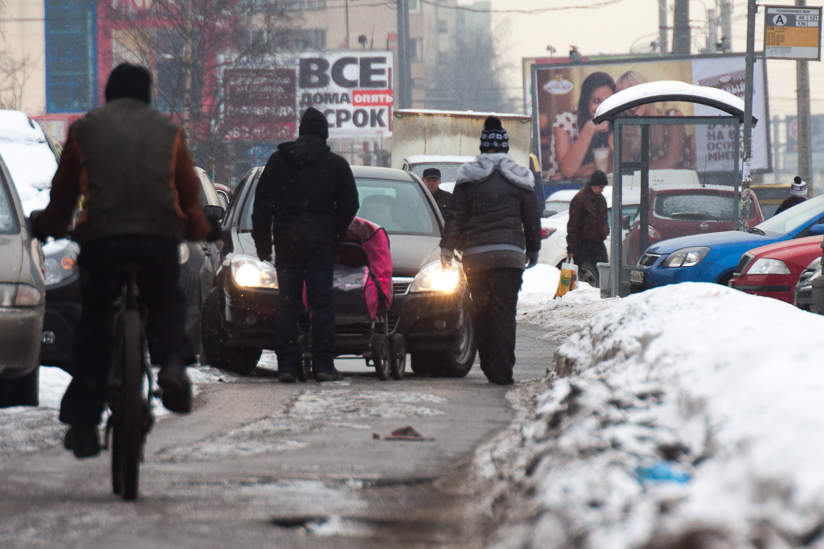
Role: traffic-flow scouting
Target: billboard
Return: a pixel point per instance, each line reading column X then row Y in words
column 353, row 89
column 564, row 95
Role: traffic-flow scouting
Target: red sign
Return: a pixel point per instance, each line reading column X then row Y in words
column 367, row 98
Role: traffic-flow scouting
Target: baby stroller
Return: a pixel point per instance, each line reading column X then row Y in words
column 362, row 293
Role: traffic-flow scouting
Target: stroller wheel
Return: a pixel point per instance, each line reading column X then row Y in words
column 397, row 365
column 381, row 356
column 305, row 368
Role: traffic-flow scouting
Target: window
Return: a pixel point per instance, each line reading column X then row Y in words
column 415, row 49
column 70, row 55
column 414, row 6
column 301, row 39
column 443, row 26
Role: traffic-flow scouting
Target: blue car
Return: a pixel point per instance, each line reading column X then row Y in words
column 713, row 257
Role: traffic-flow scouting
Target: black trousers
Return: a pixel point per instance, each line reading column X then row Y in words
column 101, row 279
column 494, row 303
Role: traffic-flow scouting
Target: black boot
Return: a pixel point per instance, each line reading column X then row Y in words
column 176, row 387
column 83, row 440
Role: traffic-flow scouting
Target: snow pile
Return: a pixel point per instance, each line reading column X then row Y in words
column 691, row 413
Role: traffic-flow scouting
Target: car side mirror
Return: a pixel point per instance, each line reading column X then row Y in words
column 817, row 229
column 214, row 211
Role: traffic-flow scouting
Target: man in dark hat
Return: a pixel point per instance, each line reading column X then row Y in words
column 139, row 190
column 306, row 198
column 432, row 179
column 493, row 221
column 587, row 226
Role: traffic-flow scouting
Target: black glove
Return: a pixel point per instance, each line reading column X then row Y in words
column 34, row 217
column 531, row 259
column 214, row 229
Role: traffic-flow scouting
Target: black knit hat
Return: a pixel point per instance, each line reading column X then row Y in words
column 598, row 178
column 494, row 137
column 431, row 172
column 313, row 123
column 128, row 80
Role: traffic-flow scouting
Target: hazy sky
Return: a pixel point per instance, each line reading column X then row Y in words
column 614, row 26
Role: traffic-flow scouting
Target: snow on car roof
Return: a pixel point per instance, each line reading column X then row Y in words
column 29, row 158
column 669, row 90
column 439, row 159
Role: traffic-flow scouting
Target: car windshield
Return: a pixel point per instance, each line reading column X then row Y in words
column 449, row 170
column 696, row 206
column 399, row 206
column 793, row 218
column 8, row 223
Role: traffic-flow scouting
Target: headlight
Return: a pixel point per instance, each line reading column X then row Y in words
column 19, row 295
column 182, row 253
column 686, row 257
column 60, row 260
column 434, row 278
column 249, row 272
column 766, row 265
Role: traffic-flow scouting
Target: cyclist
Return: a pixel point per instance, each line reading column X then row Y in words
column 129, row 166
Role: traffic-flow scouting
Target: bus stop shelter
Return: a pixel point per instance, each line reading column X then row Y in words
column 616, row 110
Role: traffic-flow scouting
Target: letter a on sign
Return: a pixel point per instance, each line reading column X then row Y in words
column 779, row 20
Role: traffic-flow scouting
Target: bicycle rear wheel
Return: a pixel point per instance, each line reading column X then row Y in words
column 128, row 409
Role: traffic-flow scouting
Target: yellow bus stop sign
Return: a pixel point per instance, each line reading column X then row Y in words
column 792, row 32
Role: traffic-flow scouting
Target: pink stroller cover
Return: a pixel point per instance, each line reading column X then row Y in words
column 375, row 243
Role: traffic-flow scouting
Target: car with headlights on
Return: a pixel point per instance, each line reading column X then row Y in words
column 774, row 270
column 430, row 306
column 713, row 257
column 22, row 300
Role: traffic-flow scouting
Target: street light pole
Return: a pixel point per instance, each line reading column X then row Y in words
column 744, row 190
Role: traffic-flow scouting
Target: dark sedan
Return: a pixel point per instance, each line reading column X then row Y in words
column 431, row 313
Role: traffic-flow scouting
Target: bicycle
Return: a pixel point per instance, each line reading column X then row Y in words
column 131, row 416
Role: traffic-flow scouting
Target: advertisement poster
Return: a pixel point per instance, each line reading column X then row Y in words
column 353, row 89
column 572, row 146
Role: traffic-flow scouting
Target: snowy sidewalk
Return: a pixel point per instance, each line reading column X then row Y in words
column 688, row 413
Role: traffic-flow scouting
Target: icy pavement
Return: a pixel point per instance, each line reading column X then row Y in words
column 685, row 416
column 690, row 415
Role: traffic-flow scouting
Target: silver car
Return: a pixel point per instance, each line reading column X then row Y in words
column 22, row 300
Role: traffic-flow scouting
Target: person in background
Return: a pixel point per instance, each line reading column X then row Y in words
column 131, row 166
column 798, row 194
column 306, row 197
column 579, row 146
column 432, row 179
column 493, row 221
column 587, row 226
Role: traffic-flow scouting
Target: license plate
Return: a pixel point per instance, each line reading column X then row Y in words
column 636, row 277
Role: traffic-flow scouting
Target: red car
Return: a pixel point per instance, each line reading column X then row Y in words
column 773, row 270
column 685, row 211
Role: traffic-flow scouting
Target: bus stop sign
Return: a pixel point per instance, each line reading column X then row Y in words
column 792, row 32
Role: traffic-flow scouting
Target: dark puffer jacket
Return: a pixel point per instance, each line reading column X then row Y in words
column 493, row 218
column 306, row 197
column 587, row 219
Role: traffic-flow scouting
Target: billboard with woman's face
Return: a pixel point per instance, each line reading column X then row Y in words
column 571, row 147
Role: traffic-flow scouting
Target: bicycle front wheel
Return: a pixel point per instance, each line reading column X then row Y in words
column 127, row 443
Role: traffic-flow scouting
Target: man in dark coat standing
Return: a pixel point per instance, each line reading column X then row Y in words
column 432, row 179
column 494, row 222
column 587, row 226
column 306, row 197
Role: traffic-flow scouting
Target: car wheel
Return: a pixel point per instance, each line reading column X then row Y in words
column 381, row 356
column 587, row 273
column 216, row 352
column 422, row 363
column 397, row 365
column 457, row 362
column 23, row 391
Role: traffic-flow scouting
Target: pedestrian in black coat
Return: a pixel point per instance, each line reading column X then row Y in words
column 493, row 221
column 306, row 198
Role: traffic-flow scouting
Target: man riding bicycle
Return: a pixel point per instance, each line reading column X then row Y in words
column 129, row 166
